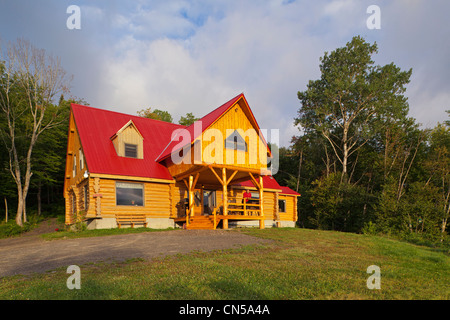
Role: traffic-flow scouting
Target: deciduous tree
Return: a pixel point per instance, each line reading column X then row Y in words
column 352, row 93
column 30, row 81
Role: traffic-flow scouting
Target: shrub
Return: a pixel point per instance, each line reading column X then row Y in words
column 339, row 205
column 10, row 229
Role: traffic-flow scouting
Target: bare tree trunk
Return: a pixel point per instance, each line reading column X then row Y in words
column 29, row 82
column 19, row 208
column 6, row 210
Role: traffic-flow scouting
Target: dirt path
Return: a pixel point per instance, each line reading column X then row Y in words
column 29, row 253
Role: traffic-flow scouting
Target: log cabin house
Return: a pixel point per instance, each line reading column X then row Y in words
column 128, row 170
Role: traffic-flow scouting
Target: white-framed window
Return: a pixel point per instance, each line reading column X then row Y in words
column 74, row 173
column 255, row 195
column 80, row 154
column 129, row 194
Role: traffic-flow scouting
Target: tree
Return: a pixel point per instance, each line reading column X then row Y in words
column 50, row 158
column 156, row 114
column 30, row 80
column 437, row 166
column 352, row 93
column 188, row 119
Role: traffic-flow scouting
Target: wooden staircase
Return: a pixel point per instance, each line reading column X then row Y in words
column 201, row 222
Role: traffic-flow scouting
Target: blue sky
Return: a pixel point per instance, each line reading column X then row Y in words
column 192, row 56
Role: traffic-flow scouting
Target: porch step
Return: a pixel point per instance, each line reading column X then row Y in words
column 201, row 222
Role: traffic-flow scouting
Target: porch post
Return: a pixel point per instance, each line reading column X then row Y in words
column 225, row 198
column 261, row 203
column 97, row 196
column 191, row 198
column 277, row 213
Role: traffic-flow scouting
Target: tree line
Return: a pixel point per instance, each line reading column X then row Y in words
column 361, row 163
column 34, row 119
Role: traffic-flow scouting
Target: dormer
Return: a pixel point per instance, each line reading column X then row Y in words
column 129, row 142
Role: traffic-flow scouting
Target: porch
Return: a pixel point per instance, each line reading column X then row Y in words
column 204, row 208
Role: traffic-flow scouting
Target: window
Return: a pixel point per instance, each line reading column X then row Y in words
column 255, row 195
column 131, row 150
column 129, row 194
column 282, row 205
column 74, row 166
column 85, row 193
column 74, row 204
column 236, row 142
column 80, row 153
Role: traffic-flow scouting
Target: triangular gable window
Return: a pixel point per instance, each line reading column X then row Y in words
column 236, row 142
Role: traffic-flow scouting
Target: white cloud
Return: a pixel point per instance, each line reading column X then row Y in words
column 194, row 55
column 249, row 50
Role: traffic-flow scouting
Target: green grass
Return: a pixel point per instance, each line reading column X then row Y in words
column 296, row 264
column 66, row 234
column 11, row 229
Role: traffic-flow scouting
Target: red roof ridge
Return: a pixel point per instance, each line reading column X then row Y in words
column 126, row 114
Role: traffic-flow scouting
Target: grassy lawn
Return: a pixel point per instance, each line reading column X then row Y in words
column 298, row 264
column 96, row 233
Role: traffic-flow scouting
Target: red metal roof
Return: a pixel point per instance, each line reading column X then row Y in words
column 96, row 127
column 287, row 190
column 269, row 182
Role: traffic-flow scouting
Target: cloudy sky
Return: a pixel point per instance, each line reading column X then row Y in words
column 192, row 56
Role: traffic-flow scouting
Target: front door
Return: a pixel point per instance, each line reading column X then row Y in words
column 198, row 201
column 209, row 201
column 204, row 201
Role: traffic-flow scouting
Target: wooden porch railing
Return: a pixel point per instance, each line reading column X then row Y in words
column 238, row 206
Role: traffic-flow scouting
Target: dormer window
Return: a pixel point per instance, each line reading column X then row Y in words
column 131, row 150
column 235, row 142
column 129, row 142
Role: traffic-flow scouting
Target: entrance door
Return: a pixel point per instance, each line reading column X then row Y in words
column 198, row 200
column 209, row 201
column 204, row 201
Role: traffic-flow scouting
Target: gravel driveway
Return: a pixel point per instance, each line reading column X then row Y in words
column 29, row 254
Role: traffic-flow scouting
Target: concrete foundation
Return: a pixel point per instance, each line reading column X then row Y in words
column 165, row 223
column 102, row 223
column 255, row 224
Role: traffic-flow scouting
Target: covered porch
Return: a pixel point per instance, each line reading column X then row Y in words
column 212, row 203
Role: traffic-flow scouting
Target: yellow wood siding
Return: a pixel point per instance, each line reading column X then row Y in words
column 291, row 211
column 74, row 183
column 214, row 151
column 212, row 145
column 73, row 151
column 269, row 205
column 156, row 200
